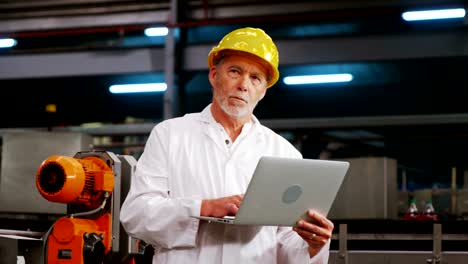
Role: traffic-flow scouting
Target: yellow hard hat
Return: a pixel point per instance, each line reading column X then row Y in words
column 251, row 40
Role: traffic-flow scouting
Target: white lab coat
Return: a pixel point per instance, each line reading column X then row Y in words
column 191, row 158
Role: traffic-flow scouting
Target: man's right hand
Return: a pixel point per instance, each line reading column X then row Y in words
column 222, row 206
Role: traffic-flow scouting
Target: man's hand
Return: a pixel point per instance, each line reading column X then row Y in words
column 316, row 230
column 222, row 206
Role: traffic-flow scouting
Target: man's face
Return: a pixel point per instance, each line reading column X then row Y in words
column 239, row 83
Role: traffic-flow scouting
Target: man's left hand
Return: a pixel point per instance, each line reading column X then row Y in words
column 315, row 229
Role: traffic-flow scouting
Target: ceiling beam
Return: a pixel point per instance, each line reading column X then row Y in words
column 292, row 52
column 83, row 21
column 354, row 49
column 81, row 63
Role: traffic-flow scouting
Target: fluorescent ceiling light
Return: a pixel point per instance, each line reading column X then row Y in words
column 323, row 78
column 433, row 14
column 7, row 42
column 156, row 31
column 137, row 88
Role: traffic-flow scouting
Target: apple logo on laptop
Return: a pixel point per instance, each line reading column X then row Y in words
column 292, row 193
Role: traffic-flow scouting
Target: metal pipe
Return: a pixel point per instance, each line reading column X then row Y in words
column 454, row 191
column 21, row 233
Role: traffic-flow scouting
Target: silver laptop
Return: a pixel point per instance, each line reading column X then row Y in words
column 283, row 189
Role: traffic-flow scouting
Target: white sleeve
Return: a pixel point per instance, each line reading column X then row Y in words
column 322, row 256
column 148, row 212
column 293, row 249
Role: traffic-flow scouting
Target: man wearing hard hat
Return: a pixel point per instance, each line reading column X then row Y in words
column 201, row 163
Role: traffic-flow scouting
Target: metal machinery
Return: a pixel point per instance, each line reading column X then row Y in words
column 91, row 184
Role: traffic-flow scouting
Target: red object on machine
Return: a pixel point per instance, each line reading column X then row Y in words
column 76, row 240
column 83, row 184
column 413, row 214
column 75, row 181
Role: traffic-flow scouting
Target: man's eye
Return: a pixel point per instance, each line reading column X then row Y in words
column 256, row 78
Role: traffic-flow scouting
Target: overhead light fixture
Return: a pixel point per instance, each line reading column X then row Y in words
column 433, row 14
column 137, row 88
column 314, row 79
column 7, row 42
column 156, row 31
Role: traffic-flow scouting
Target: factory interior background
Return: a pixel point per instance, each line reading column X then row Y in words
column 402, row 119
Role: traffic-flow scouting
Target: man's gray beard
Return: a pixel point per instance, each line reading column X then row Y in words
column 233, row 111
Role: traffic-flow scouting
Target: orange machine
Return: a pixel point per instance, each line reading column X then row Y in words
column 89, row 183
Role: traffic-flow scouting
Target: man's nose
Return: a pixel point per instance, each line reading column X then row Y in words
column 244, row 83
